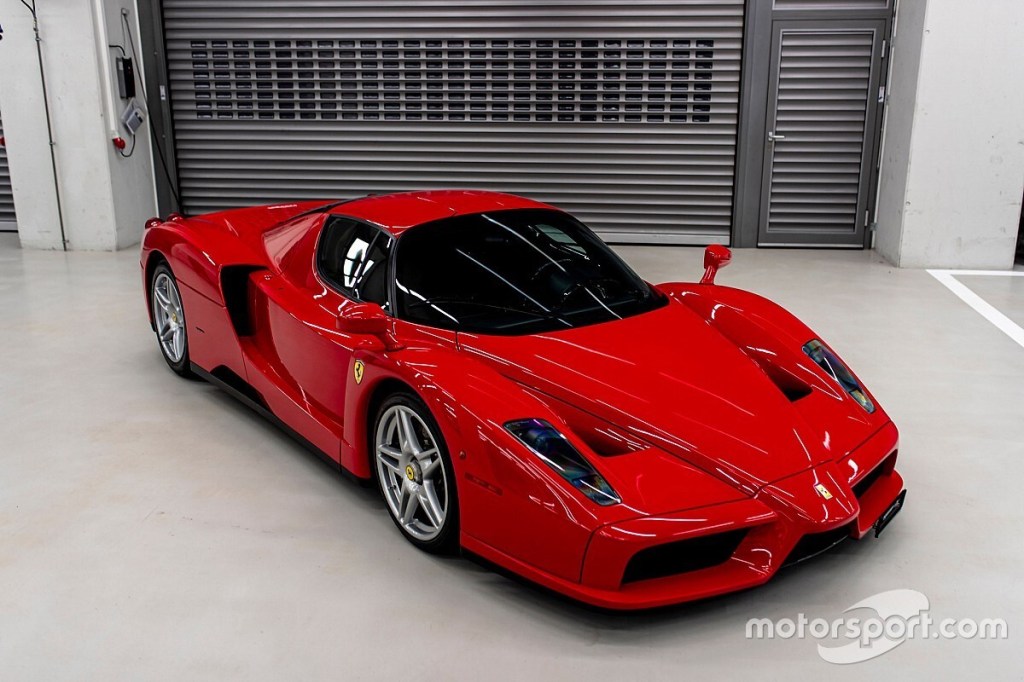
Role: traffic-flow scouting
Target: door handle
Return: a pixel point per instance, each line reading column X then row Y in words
column 773, row 137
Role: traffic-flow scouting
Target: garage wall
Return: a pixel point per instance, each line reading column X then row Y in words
column 28, row 155
column 132, row 178
column 899, row 126
column 105, row 198
column 624, row 113
column 961, row 201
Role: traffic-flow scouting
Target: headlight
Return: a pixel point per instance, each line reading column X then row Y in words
column 835, row 368
column 559, row 454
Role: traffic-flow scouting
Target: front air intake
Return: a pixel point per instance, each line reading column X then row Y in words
column 813, row 544
column 683, row 556
column 869, row 480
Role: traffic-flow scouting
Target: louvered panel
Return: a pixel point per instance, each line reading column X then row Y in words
column 831, row 4
column 622, row 113
column 822, row 108
column 7, row 218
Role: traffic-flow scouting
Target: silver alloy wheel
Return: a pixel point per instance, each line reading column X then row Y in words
column 170, row 320
column 411, row 472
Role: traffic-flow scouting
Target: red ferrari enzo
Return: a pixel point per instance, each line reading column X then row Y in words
column 517, row 391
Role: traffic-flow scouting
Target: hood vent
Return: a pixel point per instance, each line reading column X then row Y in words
column 756, row 342
column 791, row 386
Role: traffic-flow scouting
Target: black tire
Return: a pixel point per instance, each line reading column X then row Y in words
column 182, row 366
column 446, row 540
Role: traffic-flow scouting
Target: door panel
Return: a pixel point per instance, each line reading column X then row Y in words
column 821, row 136
column 297, row 361
column 314, row 357
column 297, row 358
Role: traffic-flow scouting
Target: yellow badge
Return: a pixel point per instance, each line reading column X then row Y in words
column 410, row 473
column 357, row 371
column 823, row 491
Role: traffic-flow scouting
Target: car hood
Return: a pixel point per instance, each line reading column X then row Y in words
column 671, row 380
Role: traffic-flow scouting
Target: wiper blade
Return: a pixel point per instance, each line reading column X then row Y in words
column 539, row 314
column 585, row 285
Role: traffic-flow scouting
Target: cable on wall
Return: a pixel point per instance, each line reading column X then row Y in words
column 126, row 36
column 119, row 142
column 49, row 123
column 131, row 150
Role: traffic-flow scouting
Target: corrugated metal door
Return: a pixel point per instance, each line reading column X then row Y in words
column 822, row 124
column 624, row 113
column 7, row 219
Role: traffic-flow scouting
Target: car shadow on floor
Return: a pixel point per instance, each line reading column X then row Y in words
column 821, row 574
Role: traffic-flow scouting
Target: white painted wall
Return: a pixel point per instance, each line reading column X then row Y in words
column 132, row 181
column 953, row 174
column 905, row 59
column 28, row 155
column 105, row 198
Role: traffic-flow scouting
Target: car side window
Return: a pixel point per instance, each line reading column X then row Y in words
column 353, row 257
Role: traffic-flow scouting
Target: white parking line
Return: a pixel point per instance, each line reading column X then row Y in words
column 984, row 308
column 983, row 273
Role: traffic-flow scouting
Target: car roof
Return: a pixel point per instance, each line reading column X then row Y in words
column 396, row 213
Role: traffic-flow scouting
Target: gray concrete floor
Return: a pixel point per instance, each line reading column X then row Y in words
column 1005, row 293
column 153, row 529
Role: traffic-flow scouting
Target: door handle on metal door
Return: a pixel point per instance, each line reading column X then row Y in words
column 772, row 137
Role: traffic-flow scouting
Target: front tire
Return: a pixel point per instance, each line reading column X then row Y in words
column 168, row 315
column 415, row 475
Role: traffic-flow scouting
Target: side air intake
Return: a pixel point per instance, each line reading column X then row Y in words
column 234, row 282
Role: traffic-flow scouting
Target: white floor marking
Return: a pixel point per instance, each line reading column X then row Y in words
column 983, row 307
column 982, row 273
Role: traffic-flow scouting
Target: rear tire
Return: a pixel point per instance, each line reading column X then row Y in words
column 414, row 474
column 168, row 317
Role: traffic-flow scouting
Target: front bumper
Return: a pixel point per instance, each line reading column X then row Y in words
column 734, row 546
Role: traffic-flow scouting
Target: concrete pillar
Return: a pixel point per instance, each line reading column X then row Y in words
column 105, row 198
column 953, row 162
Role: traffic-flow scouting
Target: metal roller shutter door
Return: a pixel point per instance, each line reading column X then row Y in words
column 7, row 218
column 624, row 113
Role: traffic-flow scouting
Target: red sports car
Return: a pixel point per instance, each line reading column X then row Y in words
column 517, row 391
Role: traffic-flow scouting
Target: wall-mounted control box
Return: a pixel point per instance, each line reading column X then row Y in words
column 133, row 116
column 125, row 77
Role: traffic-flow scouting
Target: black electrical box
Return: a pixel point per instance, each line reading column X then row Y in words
column 125, row 77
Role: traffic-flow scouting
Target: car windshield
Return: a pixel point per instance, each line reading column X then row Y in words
column 514, row 272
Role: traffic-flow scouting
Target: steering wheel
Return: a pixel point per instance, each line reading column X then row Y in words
column 546, row 265
column 581, row 284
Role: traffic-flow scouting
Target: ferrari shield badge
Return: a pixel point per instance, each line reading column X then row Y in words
column 823, row 491
column 357, row 371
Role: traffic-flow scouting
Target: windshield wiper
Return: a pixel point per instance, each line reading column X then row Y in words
column 541, row 315
column 634, row 295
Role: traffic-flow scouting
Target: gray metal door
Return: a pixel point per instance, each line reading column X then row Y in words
column 7, row 219
column 622, row 112
column 822, row 129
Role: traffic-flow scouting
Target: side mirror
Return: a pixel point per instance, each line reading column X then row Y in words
column 363, row 318
column 715, row 256
column 367, row 318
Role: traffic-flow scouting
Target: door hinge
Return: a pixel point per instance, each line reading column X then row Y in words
column 885, row 48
